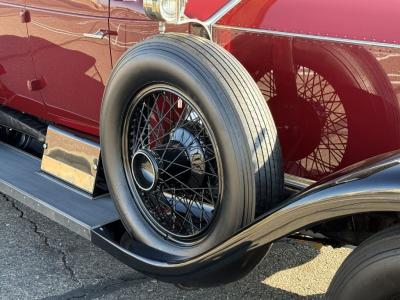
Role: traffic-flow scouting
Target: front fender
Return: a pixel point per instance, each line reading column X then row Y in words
column 371, row 186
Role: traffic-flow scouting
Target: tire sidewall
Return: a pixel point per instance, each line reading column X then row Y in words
column 375, row 279
column 371, row 271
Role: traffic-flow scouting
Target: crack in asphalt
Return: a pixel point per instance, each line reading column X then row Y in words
column 83, row 292
column 45, row 240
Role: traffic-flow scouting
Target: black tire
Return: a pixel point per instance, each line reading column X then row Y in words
column 371, row 271
column 234, row 108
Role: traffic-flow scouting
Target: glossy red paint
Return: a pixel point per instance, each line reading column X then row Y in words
column 76, row 7
column 131, row 24
column 16, row 67
column 334, row 104
column 356, row 19
column 198, row 9
column 203, row 10
column 131, row 10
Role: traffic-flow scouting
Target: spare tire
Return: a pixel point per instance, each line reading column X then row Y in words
column 189, row 146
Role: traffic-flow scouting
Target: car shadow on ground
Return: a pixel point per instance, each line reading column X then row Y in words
column 286, row 254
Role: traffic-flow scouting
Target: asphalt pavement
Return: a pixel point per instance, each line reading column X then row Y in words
column 41, row 260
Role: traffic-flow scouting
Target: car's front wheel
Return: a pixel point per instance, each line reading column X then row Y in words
column 189, row 146
column 371, row 271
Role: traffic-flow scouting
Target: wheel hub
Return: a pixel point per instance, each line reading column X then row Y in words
column 182, row 158
column 194, row 156
column 145, row 170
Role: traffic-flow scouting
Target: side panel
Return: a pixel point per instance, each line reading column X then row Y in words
column 334, row 104
column 75, row 67
column 356, row 19
column 16, row 66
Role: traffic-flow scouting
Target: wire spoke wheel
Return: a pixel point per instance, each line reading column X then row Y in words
column 171, row 163
column 189, row 147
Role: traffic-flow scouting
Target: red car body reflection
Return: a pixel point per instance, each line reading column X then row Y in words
column 328, row 70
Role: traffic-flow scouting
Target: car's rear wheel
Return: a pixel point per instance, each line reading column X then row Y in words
column 189, row 147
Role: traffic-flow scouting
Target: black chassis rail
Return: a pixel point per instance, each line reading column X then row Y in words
column 371, row 186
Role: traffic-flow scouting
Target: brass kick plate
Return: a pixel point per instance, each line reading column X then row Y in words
column 71, row 158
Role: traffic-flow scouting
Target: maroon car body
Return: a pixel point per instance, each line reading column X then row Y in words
column 346, row 66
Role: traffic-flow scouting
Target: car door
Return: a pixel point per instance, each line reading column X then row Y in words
column 17, row 75
column 70, row 50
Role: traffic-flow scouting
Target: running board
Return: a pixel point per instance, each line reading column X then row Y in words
column 21, row 178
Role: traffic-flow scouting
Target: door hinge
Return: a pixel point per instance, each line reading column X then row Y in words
column 25, row 16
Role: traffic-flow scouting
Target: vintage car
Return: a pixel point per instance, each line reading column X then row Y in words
column 185, row 137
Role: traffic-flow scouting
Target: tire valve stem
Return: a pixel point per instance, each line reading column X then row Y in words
column 180, row 103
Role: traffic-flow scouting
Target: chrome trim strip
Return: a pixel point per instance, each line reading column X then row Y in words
column 222, row 12
column 209, row 23
column 2, row 3
column 298, row 183
column 312, row 37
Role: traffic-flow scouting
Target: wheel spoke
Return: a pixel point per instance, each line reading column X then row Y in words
column 180, row 187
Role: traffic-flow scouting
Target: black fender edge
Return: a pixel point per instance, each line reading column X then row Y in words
column 370, row 186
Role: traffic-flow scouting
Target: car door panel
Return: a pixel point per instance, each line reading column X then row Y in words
column 74, row 63
column 78, row 7
column 16, row 67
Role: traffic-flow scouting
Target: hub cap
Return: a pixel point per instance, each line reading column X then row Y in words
column 144, row 170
